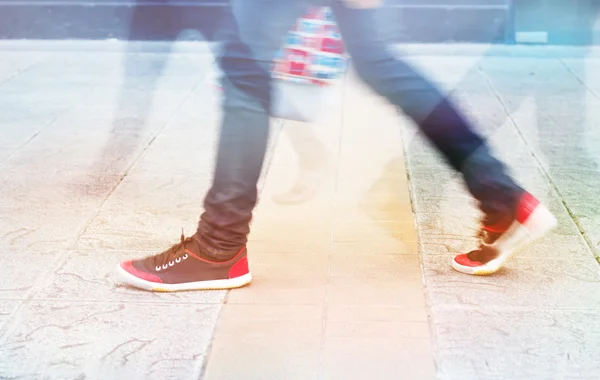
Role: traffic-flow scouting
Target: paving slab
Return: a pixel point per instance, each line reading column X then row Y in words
column 517, row 343
column 100, row 340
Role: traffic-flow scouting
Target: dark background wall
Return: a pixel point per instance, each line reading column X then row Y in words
column 405, row 20
column 564, row 21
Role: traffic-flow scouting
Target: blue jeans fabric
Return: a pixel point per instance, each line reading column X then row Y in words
column 255, row 34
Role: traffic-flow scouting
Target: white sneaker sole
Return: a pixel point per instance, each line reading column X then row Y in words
column 518, row 236
column 139, row 283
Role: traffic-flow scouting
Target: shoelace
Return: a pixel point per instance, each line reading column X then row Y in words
column 173, row 254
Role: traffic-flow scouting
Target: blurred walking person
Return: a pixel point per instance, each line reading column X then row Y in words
column 215, row 257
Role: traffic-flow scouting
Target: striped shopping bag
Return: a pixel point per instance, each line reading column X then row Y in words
column 305, row 69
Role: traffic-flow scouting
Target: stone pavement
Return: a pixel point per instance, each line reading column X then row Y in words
column 105, row 155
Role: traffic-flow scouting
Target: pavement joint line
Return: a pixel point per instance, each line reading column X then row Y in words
column 421, row 251
column 553, row 185
column 579, row 79
column 321, row 363
column 20, row 71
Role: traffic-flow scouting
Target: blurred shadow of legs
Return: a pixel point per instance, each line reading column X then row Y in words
column 313, row 160
column 141, row 73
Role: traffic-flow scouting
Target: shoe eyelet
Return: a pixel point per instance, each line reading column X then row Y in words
column 158, row 269
column 165, row 266
column 185, row 256
column 171, row 263
column 178, row 260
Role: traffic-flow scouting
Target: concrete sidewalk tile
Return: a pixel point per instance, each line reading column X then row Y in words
column 286, row 356
column 377, row 247
column 270, row 290
column 447, row 223
column 124, row 228
column 289, row 265
column 107, row 340
column 90, row 276
column 291, row 242
column 543, row 342
column 83, row 155
column 377, row 358
column 269, row 248
column 373, row 193
column 369, row 291
column 194, row 120
column 386, row 171
column 55, row 190
column 41, row 228
column 294, row 193
column 17, row 112
column 358, row 329
column 437, row 184
column 399, row 242
column 381, row 313
column 285, row 341
column 142, row 101
column 25, row 270
column 7, row 309
column 576, row 185
column 14, row 134
column 385, row 233
column 255, row 330
column 466, row 206
column 286, row 247
column 588, row 217
column 375, row 212
column 428, row 160
column 6, row 151
column 180, row 158
column 237, row 313
column 160, row 191
column 400, row 266
column 291, row 217
column 373, row 198
column 581, row 156
column 280, row 232
column 371, row 231
column 115, row 122
column 560, row 284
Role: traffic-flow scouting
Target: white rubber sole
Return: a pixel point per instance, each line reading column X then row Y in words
column 139, row 283
column 518, row 236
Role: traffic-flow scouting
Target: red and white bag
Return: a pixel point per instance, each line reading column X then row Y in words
column 312, row 58
column 305, row 69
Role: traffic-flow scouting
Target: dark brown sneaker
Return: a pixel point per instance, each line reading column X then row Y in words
column 183, row 268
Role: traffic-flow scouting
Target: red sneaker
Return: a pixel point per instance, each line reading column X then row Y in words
column 502, row 240
column 182, row 268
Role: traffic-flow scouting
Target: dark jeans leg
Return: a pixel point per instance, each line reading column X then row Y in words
column 440, row 121
column 258, row 29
